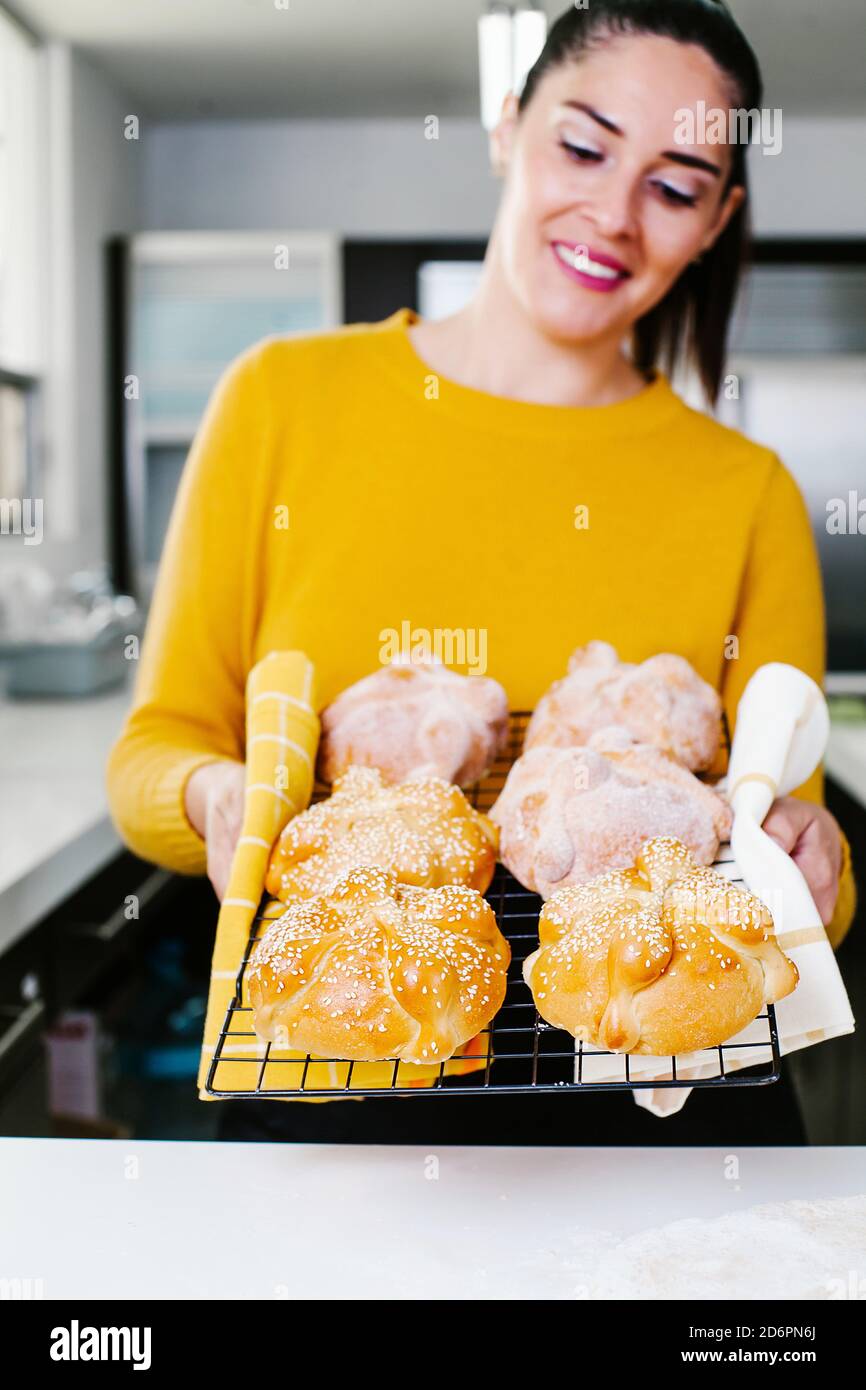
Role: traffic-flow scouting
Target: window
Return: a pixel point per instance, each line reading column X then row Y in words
column 22, row 268
column 15, row 439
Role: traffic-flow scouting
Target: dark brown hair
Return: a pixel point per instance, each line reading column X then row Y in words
column 691, row 323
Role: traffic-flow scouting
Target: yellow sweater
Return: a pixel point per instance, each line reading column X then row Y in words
column 341, row 499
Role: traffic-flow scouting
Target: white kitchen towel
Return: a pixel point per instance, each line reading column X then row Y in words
column 781, row 735
column 782, row 731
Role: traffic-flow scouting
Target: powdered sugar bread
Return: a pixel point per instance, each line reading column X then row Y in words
column 375, row 969
column 568, row 814
column 661, row 958
column 424, row 831
column 418, row 718
column 662, row 701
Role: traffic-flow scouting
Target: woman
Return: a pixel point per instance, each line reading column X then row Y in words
column 522, row 470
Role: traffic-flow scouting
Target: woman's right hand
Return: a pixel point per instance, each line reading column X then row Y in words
column 214, row 804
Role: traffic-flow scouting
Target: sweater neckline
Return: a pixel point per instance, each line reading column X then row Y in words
column 650, row 409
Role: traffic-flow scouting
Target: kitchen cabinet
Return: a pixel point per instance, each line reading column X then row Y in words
column 84, row 923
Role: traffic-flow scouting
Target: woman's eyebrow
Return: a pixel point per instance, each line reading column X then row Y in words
column 596, row 116
column 692, row 161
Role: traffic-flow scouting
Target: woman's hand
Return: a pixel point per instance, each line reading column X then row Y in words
column 214, row 804
column 811, row 836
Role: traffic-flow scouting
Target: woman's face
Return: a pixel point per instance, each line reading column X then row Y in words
column 602, row 208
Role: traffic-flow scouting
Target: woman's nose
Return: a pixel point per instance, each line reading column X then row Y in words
column 612, row 211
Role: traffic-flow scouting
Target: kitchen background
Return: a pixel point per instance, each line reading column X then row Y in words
column 152, row 157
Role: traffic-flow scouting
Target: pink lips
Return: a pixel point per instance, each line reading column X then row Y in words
column 590, row 282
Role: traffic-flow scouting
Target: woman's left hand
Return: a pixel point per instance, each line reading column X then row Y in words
column 810, row 834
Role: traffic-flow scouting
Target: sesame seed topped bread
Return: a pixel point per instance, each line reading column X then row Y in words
column 661, row 958
column 418, row 718
column 662, row 701
column 568, row 814
column 375, row 969
column 424, row 831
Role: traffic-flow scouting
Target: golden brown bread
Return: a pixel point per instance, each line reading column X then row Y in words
column 568, row 814
column 376, row 969
column 418, row 718
column 424, row 831
column 662, row 701
column 662, row 958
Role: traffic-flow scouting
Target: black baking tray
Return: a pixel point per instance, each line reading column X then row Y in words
column 519, row 1053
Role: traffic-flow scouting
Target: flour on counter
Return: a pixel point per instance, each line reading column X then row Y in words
column 811, row 1250
column 798, row 1249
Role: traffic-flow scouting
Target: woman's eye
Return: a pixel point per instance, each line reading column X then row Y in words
column 676, row 195
column 581, row 152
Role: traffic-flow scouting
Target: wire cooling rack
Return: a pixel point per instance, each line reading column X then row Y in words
column 518, row 1053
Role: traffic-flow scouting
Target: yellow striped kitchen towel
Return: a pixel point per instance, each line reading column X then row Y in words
column 282, row 740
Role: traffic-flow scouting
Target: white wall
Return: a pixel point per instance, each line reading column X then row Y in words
column 380, row 176
column 815, row 186
column 356, row 177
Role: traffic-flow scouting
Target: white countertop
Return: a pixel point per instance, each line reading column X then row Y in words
column 846, row 759
column 130, row 1219
column 55, row 830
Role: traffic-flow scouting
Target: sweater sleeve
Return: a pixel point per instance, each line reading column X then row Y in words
column 780, row 617
column 188, row 704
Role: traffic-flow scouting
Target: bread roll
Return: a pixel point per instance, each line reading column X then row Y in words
column 569, row 814
column 418, row 719
column 662, row 958
column 663, row 701
column 375, row 969
column 424, row 831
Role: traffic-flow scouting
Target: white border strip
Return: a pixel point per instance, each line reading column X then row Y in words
column 264, row 787
column 284, row 743
column 284, row 699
